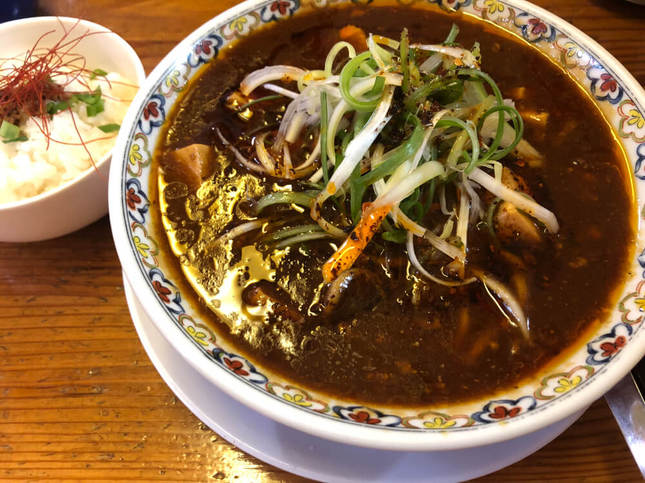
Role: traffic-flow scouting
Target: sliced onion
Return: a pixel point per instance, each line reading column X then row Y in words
column 466, row 56
column 376, row 52
column 286, row 158
column 358, row 146
column 431, row 63
column 334, row 51
column 306, row 104
column 324, row 224
column 394, row 194
column 411, row 164
column 520, row 200
column 476, row 210
column 447, row 227
column 391, row 43
column 415, row 262
column 263, row 155
column 312, row 156
column 440, row 244
column 337, row 114
column 443, row 204
column 332, row 128
column 240, row 230
column 281, row 90
column 392, row 79
column 239, row 156
column 511, row 307
column 523, row 148
column 268, row 74
column 463, row 218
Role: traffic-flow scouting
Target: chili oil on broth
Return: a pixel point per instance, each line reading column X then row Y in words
column 392, row 352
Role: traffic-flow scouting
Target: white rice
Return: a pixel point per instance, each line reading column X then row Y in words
column 31, row 167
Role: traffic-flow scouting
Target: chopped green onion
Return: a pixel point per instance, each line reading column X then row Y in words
column 379, row 84
column 478, row 74
column 346, row 76
column 14, row 140
column 452, row 35
column 260, row 99
column 55, row 107
column 10, row 133
column 469, row 128
column 324, row 120
column 518, row 126
column 449, row 93
column 356, row 192
column 489, row 219
column 367, row 68
column 394, row 158
column 444, row 90
column 404, row 48
column 430, row 195
column 8, row 130
column 296, row 230
column 93, row 101
column 360, row 120
column 427, row 147
column 304, row 198
column 97, row 73
column 331, row 56
column 303, row 237
column 395, row 236
column 110, row 127
column 89, row 98
column 94, row 109
column 412, row 207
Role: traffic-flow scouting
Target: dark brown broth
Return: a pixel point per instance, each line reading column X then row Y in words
column 403, row 354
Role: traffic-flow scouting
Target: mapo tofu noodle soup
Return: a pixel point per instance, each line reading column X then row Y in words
column 394, row 206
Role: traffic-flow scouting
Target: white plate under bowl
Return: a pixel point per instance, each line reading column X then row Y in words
column 310, row 456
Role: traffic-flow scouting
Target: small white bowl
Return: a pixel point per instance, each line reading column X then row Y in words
column 83, row 199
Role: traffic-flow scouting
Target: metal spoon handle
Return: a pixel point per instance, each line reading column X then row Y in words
column 627, row 402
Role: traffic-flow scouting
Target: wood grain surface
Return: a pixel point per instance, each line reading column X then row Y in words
column 79, row 398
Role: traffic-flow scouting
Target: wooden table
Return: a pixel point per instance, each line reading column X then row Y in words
column 79, row 398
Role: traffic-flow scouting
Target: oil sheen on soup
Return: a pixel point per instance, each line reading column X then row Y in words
column 374, row 328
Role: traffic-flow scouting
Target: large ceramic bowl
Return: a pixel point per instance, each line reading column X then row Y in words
column 59, row 211
column 587, row 372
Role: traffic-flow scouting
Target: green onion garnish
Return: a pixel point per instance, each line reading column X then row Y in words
column 404, row 48
column 260, row 99
column 324, row 120
column 110, row 127
column 98, row 73
column 10, row 133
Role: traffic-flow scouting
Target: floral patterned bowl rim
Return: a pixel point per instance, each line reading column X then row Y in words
column 562, row 389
